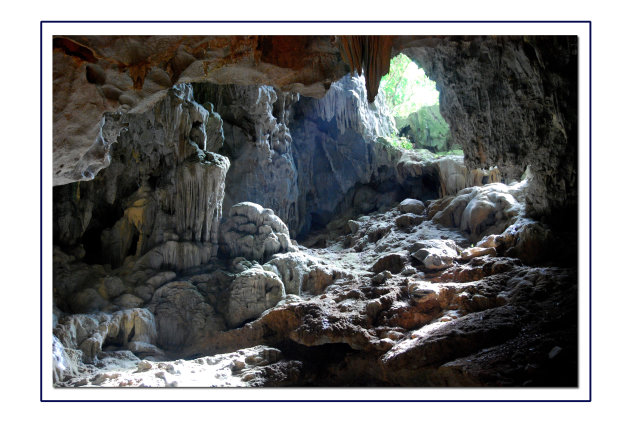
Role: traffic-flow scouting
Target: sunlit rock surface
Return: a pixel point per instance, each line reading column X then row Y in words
column 253, row 232
column 342, row 261
column 252, row 292
column 253, row 367
column 511, row 103
column 97, row 74
column 373, row 312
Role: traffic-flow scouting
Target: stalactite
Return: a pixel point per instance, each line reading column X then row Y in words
column 198, row 195
column 370, row 54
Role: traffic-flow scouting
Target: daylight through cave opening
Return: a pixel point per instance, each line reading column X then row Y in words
column 245, row 221
column 414, row 102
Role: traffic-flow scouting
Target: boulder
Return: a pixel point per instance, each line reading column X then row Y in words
column 413, row 206
column 435, row 254
column 393, row 262
column 408, row 220
column 182, row 315
column 252, row 292
column 481, row 210
column 254, row 232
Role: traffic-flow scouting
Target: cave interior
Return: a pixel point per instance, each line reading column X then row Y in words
column 249, row 211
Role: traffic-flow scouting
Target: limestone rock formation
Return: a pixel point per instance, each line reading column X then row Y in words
column 512, row 104
column 336, row 153
column 80, row 339
column 252, row 292
column 164, row 184
column 367, row 53
column 182, row 315
column 480, row 211
column 304, row 274
column 411, row 269
column 97, row 74
column 259, row 145
column 436, row 254
column 254, row 232
column 251, row 367
column 411, row 205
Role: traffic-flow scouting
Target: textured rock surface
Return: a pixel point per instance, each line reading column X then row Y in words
column 510, row 103
column 182, row 315
column 259, row 145
column 336, row 152
column 79, row 339
column 363, row 311
column 411, row 205
column 253, row 292
column 97, row 74
column 481, row 211
column 254, row 232
column 381, row 293
column 267, row 158
column 164, row 184
column 435, row 254
column 253, row 367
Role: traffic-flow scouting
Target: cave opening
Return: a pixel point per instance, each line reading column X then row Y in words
column 414, row 102
column 348, row 243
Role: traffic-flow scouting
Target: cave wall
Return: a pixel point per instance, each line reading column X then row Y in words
column 511, row 102
column 93, row 75
column 337, row 154
column 259, row 145
column 301, row 156
column 165, row 184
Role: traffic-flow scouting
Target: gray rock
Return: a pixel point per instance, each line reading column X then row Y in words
column 435, row 254
column 353, row 226
column 481, row 211
column 253, row 292
column 262, row 236
column 128, row 301
column 160, row 279
column 292, row 268
column 259, row 145
column 164, row 176
column 113, row 286
column 90, row 333
column 516, row 122
column 413, row 206
column 182, row 315
column 408, row 220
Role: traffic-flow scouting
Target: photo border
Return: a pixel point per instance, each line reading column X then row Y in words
column 590, row 360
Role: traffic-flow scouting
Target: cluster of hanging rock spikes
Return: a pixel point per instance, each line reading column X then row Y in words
column 368, row 53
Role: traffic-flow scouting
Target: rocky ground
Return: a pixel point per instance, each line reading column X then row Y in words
column 243, row 235
column 453, row 292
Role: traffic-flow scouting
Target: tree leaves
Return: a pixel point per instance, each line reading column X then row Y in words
column 406, row 87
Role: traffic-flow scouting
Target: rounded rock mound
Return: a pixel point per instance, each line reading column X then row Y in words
column 253, row 232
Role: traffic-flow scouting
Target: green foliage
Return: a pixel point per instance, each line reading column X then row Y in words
column 402, row 143
column 406, row 87
column 426, row 127
column 413, row 99
column 396, row 141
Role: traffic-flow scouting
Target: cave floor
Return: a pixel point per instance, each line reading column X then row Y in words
column 374, row 315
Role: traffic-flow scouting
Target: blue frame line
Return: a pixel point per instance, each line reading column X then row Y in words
column 590, row 211
column 41, row 279
column 590, row 272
